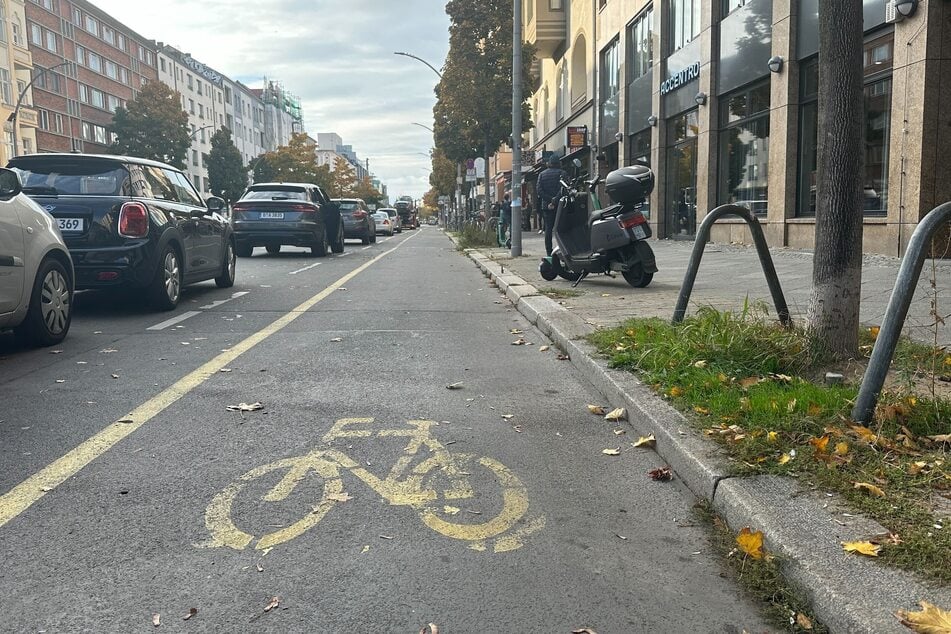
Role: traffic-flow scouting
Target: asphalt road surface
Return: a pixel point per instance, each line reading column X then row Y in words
column 364, row 496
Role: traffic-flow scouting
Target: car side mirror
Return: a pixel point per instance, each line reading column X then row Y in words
column 10, row 184
column 215, row 204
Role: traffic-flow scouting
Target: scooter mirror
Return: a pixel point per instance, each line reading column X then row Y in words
column 576, row 162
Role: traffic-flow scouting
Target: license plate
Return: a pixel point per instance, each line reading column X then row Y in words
column 71, row 224
column 272, row 215
column 639, row 232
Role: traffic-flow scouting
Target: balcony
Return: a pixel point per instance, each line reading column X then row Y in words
column 544, row 28
column 22, row 58
column 27, row 117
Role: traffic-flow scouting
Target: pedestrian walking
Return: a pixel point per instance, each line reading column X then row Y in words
column 548, row 188
column 505, row 219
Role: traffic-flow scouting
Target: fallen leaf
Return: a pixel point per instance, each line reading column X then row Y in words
column 676, row 392
column 864, row 433
column 450, row 510
column 508, row 416
column 365, row 550
column 386, row 537
column 611, row 452
column 244, row 407
column 841, row 448
column 336, row 340
column 772, row 436
column 821, row 444
column 192, row 612
column 275, row 602
column 564, row 357
column 225, row 370
column 596, row 409
column 515, row 331
column 619, row 432
column 544, row 348
column 703, row 411
column 700, row 364
column 786, row 457
column 454, row 386
column 584, row 630
column 940, row 438
column 749, row 382
column 616, row 414
column 871, row 488
column 60, row 380
column 645, row 441
column 432, row 627
column 156, row 619
column 661, row 474
column 751, row 542
column 930, row 620
column 519, row 342
column 259, row 567
column 803, row 621
column 791, row 406
column 115, row 376
column 863, row 548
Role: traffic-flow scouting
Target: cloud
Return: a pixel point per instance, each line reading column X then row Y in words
column 336, row 55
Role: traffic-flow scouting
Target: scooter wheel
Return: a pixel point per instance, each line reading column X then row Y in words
column 638, row 278
column 547, row 271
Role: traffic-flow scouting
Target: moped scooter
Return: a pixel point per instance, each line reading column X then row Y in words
column 604, row 240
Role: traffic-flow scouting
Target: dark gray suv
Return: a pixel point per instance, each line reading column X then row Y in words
column 358, row 222
column 299, row 214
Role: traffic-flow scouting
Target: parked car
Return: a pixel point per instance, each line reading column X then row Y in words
column 275, row 214
column 132, row 223
column 395, row 219
column 36, row 272
column 357, row 220
column 383, row 223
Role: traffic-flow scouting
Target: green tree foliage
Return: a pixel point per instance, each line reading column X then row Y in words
column 343, row 179
column 443, row 176
column 295, row 162
column 365, row 190
column 473, row 113
column 153, row 126
column 226, row 172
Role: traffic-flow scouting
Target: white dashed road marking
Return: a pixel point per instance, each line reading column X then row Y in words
column 306, row 268
column 191, row 313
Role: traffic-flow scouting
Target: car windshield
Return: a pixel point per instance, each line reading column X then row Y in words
column 276, row 193
column 348, row 205
column 73, row 178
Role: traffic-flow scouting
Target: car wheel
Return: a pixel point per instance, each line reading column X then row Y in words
column 226, row 279
column 273, row 249
column 50, row 313
column 365, row 239
column 373, row 238
column 244, row 250
column 337, row 246
column 166, row 287
column 321, row 248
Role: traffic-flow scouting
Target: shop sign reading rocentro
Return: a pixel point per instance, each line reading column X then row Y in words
column 677, row 80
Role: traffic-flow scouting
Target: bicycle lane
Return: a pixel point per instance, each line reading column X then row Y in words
column 130, row 535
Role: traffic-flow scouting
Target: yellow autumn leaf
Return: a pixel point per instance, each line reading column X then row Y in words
column 676, row 392
column 864, row 433
column 786, row 457
column 772, row 437
column 821, row 444
column 803, row 621
column 841, row 448
column 703, row 411
column 930, row 620
column 871, row 488
column 616, row 414
column 947, row 360
column 596, row 409
column 751, row 542
column 645, row 441
column 873, row 331
column 722, row 378
column 862, row 548
column 611, row 452
column 813, row 409
column 700, row 364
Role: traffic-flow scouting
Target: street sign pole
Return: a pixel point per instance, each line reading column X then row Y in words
column 517, row 129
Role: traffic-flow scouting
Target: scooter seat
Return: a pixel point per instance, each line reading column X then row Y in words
column 598, row 214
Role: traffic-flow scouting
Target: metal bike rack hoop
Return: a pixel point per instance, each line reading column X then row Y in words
column 908, row 274
column 703, row 235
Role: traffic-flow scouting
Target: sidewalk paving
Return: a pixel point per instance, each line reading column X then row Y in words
column 804, row 528
column 728, row 274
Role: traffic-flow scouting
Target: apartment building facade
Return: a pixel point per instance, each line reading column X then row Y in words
column 16, row 68
column 86, row 65
column 719, row 97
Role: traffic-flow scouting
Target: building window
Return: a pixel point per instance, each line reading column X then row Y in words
column 87, row 131
column 642, row 44
column 77, row 16
column 6, row 89
column 162, row 63
column 80, row 55
column 109, row 35
column 610, row 89
column 561, row 94
column 100, row 134
column 191, row 106
column 94, row 62
column 729, row 6
column 195, row 158
column 92, row 25
column 113, row 103
column 27, row 146
column 744, row 148
column 44, row 119
column 878, row 59
column 556, row 5
column 191, row 84
column 197, row 181
column 684, row 22
column 52, row 43
column 120, row 42
column 198, row 86
column 58, row 123
column 123, row 75
column 17, row 34
column 84, row 93
column 36, row 34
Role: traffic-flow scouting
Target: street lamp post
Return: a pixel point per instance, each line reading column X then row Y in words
column 197, row 130
column 517, row 130
column 13, row 118
column 419, row 59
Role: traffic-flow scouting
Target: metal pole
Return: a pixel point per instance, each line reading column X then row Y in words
column 517, row 128
column 902, row 294
column 16, row 110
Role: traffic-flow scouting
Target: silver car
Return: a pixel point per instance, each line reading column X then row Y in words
column 384, row 224
column 36, row 272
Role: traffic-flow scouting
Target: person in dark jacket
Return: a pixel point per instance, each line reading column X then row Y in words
column 505, row 218
column 548, row 188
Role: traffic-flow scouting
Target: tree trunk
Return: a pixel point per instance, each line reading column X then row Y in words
column 833, row 317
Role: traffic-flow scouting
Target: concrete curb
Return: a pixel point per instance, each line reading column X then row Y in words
column 804, row 529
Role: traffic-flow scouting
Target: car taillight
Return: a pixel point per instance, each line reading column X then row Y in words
column 303, row 208
column 386, row 222
column 637, row 218
column 133, row 221
column 359, row 215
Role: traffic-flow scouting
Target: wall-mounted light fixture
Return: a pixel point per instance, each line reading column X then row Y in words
column 652, row 121
column 618, row 137
column 701, row 98
column 906, row 8
column 775, row 64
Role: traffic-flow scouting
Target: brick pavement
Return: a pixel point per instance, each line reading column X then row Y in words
column 728, row 275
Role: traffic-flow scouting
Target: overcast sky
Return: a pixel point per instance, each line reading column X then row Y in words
column 337, row 55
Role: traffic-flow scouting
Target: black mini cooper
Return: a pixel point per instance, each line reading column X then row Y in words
column 132, row 223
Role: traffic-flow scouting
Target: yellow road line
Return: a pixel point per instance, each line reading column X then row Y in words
column 25, row 494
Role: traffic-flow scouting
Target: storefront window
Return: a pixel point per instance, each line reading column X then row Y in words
column 639, row 151
column 744, row 148
column 878, row 96
column 681, row 175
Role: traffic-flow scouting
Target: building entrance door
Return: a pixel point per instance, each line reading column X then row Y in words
column 681, row 212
